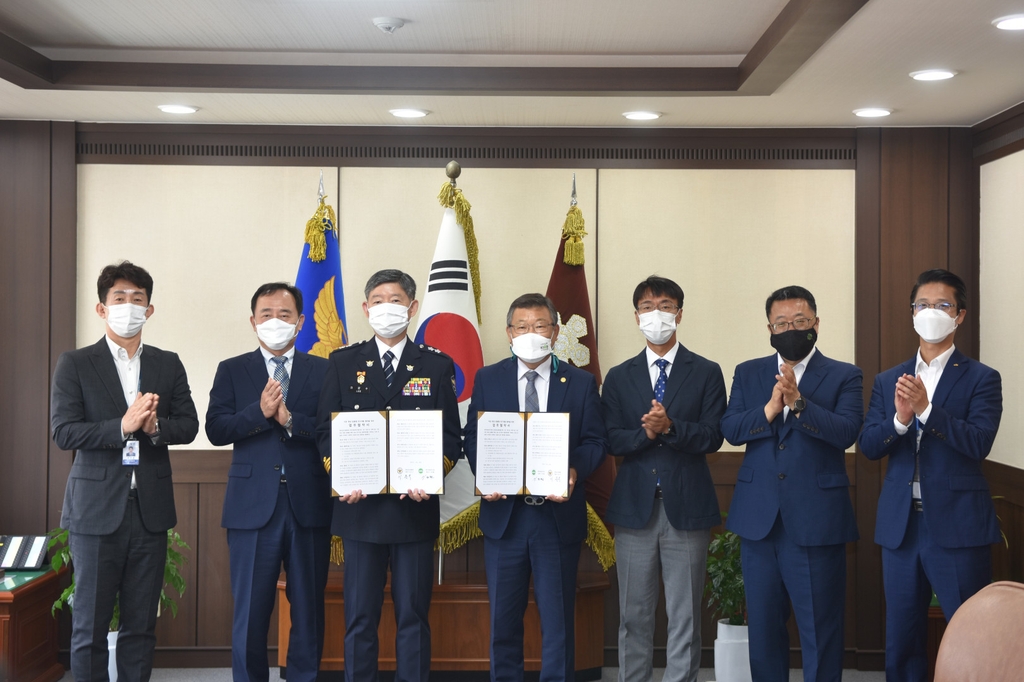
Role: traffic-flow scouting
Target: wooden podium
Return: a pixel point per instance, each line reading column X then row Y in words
column 460, row 626
column 28, row 632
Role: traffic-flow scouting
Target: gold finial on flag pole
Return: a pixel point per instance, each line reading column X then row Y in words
column 573, row 232
column 451, row 197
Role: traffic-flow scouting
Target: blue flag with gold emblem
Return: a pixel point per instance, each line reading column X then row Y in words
column 319, row 279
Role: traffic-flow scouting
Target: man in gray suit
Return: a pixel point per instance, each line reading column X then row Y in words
column 662, row 409
column 119, row 405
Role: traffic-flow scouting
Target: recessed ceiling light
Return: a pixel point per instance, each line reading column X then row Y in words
column 177, row 109
column 409, row 113
column 1013, row 22
column 642, row 115
column 872, row 112
column 932, row 74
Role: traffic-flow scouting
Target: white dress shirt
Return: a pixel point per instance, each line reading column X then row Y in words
column 653, row 357
column 397, row 349
column 541, row 383
column 798, row 373
column 129, row 371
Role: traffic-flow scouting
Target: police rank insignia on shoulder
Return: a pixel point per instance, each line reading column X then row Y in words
column 417, row 387
column 424, row 346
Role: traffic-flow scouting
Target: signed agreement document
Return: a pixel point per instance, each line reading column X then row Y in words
column 522, row 453
column 387, row 452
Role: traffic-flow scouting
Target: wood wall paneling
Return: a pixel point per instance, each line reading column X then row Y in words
column 180, row 631
column 213, row 628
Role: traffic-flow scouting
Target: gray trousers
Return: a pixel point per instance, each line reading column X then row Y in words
column 129, row 561
column 680, row 557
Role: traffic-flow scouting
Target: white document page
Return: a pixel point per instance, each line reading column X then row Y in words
column 547, row 453
column 499, row 453
column 359, row 452
column 417, row 451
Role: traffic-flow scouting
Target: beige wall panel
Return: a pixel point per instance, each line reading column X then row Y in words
column 390, row 218
column 729, row 238
column 209, row 235
column 1002, row 290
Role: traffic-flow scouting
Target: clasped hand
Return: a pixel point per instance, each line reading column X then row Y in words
column 141, row 414
column 272, row 402
column 656, row 421
column 911, row 398
column 784, row 393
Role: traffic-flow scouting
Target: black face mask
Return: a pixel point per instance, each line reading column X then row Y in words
column 795, row 344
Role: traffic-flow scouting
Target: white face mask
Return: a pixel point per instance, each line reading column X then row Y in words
column 388, row 320
column 531, row 347
column 126, row 319
column 275, row 333
column 658, row 326
column 934, row 325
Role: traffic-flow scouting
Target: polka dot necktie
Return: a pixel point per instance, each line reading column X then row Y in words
column 659, row 385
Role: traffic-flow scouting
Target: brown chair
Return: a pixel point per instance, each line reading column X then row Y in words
column 984, row 640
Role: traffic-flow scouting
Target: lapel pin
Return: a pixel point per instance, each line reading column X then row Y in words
column 956, row 364
column 409, row 367
column 369, row 363
column 563, row 380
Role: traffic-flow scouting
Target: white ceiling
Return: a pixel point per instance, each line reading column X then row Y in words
column 864, row 64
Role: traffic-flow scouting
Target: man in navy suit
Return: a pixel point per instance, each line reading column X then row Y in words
column 663, row 410
column 277, row 508
column 935, row 416
column 526, row 535
column 389, row 373
column 118, row 404
column 796, row 412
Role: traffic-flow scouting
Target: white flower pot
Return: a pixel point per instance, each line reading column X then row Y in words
column 112, row 653
column 732, row 657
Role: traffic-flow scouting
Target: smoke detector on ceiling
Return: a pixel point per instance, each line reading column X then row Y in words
column 388, row 24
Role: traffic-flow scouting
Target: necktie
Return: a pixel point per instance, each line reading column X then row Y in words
column 281, row 375
column 659, row 385
column 389, row 370
column 532, row 402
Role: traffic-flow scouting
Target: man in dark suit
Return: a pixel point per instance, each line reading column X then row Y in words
column 118, row 405
column 935, row 416
column 796, row 412
column 389, row 373
column 526, row 535
column 277, row 508
column 663, row 410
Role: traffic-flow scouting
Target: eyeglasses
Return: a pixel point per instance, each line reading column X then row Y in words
column 800, row 324
column 944, row 307
column 665, row 307
column 542, row 328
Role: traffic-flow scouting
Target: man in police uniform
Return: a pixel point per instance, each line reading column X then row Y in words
column 389, row 372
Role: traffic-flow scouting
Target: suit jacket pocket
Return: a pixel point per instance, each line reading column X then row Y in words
column 88, row 472
column 745, row 474
column 837, row 480
column 968, row 483
column 163, row 470
column 240, row 470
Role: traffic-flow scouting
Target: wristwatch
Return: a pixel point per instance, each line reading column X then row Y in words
column 288, row 424
column 800, row 405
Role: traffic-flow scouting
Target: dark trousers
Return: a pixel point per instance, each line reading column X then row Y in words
column 531, row 545
column 910, row 573
column 129, row 561
column 412, row 578
column 256, row 559
column 777, row 571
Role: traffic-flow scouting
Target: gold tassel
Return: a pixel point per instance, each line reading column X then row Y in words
column 460, row 529
column 327, row 464
column 323, row 219
column 573, row 234
column 450, row 197
column 599, row 539
column 338, row 551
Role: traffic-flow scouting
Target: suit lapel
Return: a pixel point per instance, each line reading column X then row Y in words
column 640, row 375
column 256, row 367
column 149, row 372
column 300, row 372
column 103, row 363
column 369, row 362
column 955, row 368
column 681, row 369
column 558, row 386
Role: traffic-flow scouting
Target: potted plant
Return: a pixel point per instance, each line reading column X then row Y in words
column 173, row 578
column 727, row 601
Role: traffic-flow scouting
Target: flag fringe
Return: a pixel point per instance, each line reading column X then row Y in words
column 323, row 219
column 599, row 539
column 460, row 529
column 338, row 551
column 573, row 233
column 450, row 197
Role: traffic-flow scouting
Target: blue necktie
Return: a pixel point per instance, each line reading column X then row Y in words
column 389, row 370
column 281, row 375
column 659, row 385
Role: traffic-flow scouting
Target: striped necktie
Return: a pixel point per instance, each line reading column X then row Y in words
column 389, row 370
column 281, row 374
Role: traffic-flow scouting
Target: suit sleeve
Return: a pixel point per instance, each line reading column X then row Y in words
column 973, row 436
column 879, row 436
column 68, row 426
column 744, row 419
column 626, row 436
column 590, row 450
column 181, row 424
column 838, row 428
column 450, row 414
column 705, row 434
column 226, row 423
